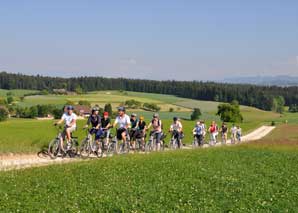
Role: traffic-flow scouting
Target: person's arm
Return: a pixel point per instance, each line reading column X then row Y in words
column 171, row 128
column 180, row 127
column 115, row 122
column 73, row 122
column 99, row 122
column 60, row 121
column 149, row 126
column 109, row 124
column 128, row 123
column 88, row 122
column 137, row 126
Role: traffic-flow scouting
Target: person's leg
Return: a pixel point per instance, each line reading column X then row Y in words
column 68, row 134
column 158, row 136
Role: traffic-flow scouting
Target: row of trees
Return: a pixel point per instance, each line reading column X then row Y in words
column 258, row 96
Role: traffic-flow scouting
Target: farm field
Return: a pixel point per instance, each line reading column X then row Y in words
column 204, row 180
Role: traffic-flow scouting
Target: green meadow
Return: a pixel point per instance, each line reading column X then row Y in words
column 254, row 177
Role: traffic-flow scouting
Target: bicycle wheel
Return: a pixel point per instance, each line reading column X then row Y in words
column 148, row 146
column 54, row 148
column 112, row 148
column 85, row 149
column 72, row 151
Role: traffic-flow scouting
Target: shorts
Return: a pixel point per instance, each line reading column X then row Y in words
column 98, row 133
column 119, row 133
column 71, row 130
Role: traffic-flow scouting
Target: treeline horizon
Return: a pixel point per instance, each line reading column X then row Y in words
column 261, row 97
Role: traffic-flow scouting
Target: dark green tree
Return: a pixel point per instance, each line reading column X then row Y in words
column 195, row 114
column 108, row 108
column 230, row 112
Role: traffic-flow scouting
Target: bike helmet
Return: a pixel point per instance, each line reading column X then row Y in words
column 133, row 115
column 121, row 109
column 141, row 117
column 94, row 109
column 155, row 115
column 70, row 107
column 175, row 119
column 105, row 114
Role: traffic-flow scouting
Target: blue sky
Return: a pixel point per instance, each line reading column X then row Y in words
column 182, row 40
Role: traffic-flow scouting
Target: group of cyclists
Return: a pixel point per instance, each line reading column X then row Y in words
column 130, row 128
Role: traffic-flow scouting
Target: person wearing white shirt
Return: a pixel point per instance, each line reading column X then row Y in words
column 123, row 123
column 69, row 118
column 176, row 130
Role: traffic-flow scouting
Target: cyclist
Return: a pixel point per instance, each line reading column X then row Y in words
column 140, row 133
column 123, row 122
column 106, row 124
column 238, row 134
column 213, row 133
column 95, row 121
column 156, row 130
column 134, row 126
column 176, row 130
column 204, row 129
column 70, row 120
column 198, row 132
column 233, row 134
column 224, row 133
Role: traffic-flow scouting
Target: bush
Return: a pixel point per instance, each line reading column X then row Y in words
column 195, row 114
column 171, row 109
column 151, row 107
column 84, row 103
column 133, row 104
column 57, row 113
column 272, row 123
column 9, row 99
column 3, row 113
column 230, row 112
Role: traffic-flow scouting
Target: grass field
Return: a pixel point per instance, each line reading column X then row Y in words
column 257, row 177
column 16, row 92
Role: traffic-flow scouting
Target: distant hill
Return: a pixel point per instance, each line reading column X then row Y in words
column 280, row 80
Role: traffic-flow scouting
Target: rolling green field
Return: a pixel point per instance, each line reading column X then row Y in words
column 257, row 177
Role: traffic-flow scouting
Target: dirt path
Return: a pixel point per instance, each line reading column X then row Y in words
column 18, row 161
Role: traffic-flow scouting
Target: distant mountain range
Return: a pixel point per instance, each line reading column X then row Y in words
column 280, row 80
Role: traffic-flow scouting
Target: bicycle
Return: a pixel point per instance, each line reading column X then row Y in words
column 198, row 141
column 104, row 143
column 55, row 147
column 124, row 146
column 151, row 144
column 139, row 141
column 174, row 142
column 89, row 145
